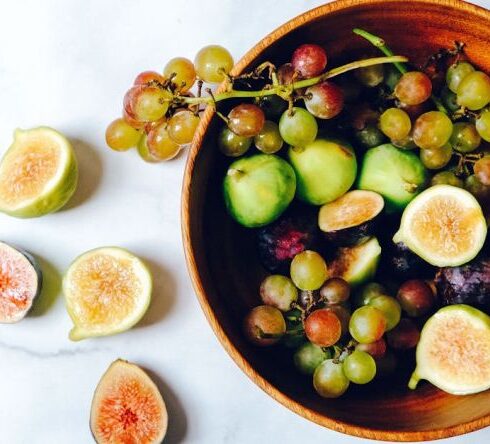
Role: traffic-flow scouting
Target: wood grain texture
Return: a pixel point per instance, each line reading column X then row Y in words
column 221, row 256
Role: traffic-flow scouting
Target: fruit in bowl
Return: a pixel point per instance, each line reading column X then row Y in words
column 387, row 324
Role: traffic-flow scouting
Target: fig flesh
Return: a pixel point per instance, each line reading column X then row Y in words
column 20, row 283
column 127, row 407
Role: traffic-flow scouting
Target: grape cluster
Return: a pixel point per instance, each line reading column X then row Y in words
column 312, row 312
column 158, row 118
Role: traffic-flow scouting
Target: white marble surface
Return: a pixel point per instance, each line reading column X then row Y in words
column 67, row 64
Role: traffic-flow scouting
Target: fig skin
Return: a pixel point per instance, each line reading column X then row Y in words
column 405, row 264
column 352, row 236
column 467, row 284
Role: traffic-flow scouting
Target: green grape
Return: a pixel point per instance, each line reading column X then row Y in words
column 264, row 325
column 483, row 125
column 273, row 106
column 329, row 379
column 298, row 128
column 232, row 145
column 413, row 88
column 391, row 309
column 359, row 367
column 278, row 291
column 370, row 76
column 395, row 124
column 369, row 292
column 120, row 136
column 309, row 356
column 432, row 130
column 308, row 270
column 446, row 178
column 449, row 100
column 147, row 77
column 147, row 103
column 160, row 145
column 465, row 137
column 367, row 324
column 370, row 136
column 437, row 158
column 269, row 139
column 143, row 150
column 183, row 71
column 212, row 63
column 335, row 291
column 456, row 73
column 482, row 170
column 182, row 126
column 405, row 144
column 474, row 91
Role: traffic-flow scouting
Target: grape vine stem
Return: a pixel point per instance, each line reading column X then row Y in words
column 285, row 91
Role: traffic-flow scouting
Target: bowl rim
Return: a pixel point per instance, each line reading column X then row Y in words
column 231, row 349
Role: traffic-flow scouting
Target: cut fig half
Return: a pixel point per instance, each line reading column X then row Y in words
column 351, row 219
column 127, row 407
column 107, row 291
column 358, row 264
column 38, row 174
column 20, row 283
column 454, row 351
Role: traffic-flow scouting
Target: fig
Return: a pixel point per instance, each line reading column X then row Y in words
column 20, row 283
column 258, row 189
column 127, row 407
column 453, row 351
column 358, row 264
column 107, row 291
column 467, row 284
column 403, row 263
column 395, row 174
column 38, row 174
column 444, row 225
column 351, row 219
column 325, row 170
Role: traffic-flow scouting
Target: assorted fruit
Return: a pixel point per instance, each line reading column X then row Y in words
column 370, row 197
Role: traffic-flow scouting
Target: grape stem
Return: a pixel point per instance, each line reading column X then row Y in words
column 379, row 43
column 285, row 91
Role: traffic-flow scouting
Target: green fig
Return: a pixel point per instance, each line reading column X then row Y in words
column 258, row 189
column 325, row 170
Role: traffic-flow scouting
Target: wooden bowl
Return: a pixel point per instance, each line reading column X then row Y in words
column 222, row 259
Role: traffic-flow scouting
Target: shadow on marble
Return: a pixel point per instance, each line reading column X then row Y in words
column 164, row 294
column 50, row 290
column 89, row 173
column 177, row 419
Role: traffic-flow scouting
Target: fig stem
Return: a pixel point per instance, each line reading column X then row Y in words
column 379, row 43
column 280, row 90
column 414, row 380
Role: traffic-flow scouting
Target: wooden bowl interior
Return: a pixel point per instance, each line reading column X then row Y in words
column 222, row 255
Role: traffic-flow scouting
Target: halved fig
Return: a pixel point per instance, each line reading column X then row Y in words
column 127, row 407
column 444, row 225
column 453, row 351
column 20, row 283
column 38, row 174
column 358, row 264
column 351, row 219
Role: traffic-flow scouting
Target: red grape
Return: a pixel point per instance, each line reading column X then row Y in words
column 246, row 120
column 482, row 170
column 264, row 325
column 131, row 120
column 323, row 328
column 376, row 349
column 285, row 74
column 146, row 77
column 404, row 336
column 324, row 100
column 335, row 291
column 416, row 297
column 309, row 60
column 413, row 88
